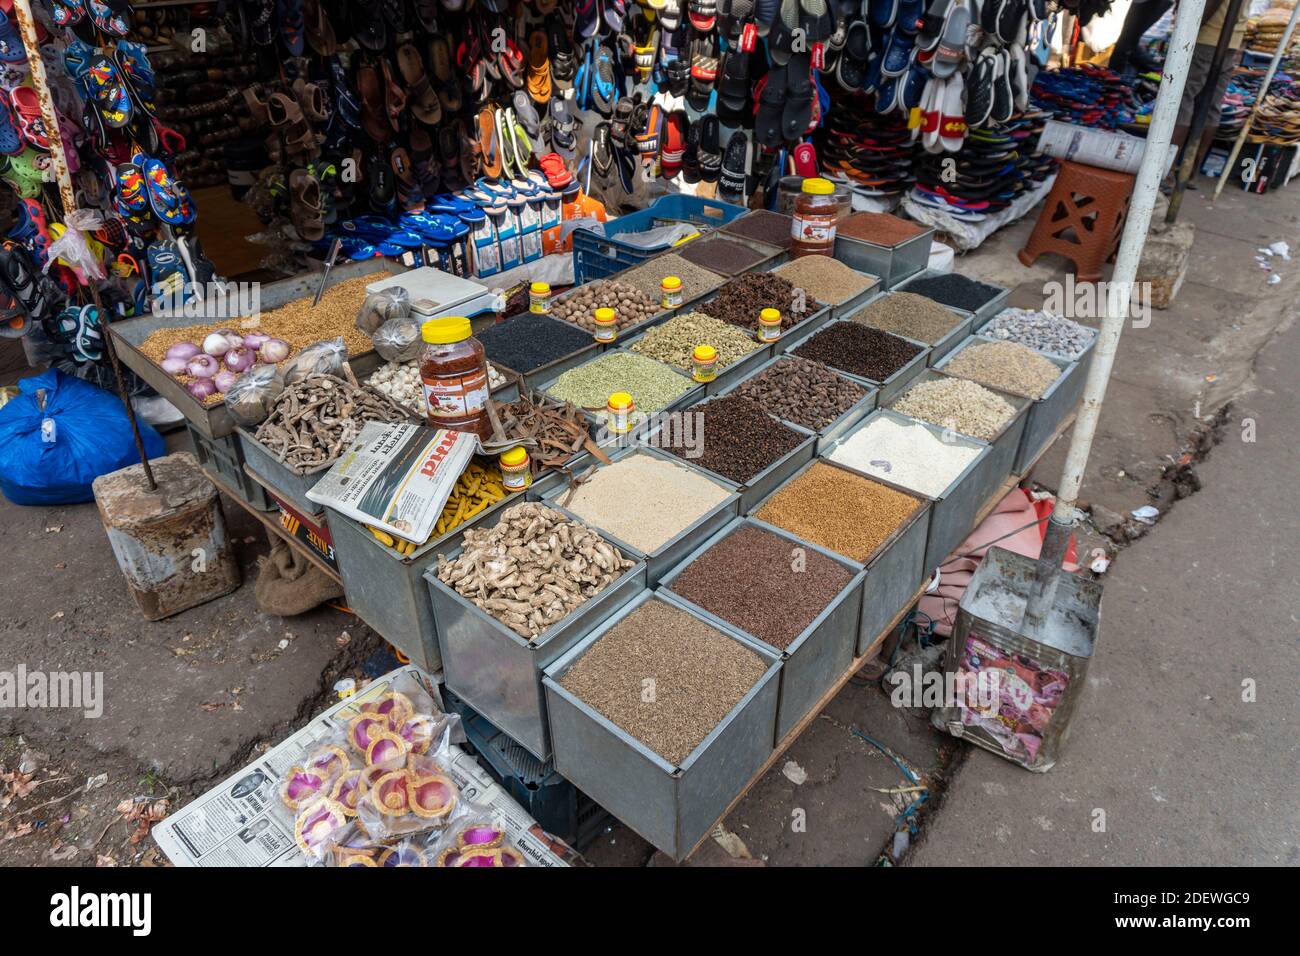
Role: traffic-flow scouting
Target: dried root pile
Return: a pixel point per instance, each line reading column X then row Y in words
column 532, row 568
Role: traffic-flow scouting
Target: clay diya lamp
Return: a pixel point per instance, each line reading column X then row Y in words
column 301, row 786
column 363, row 728
column 394, row 707
column 318, row 824
column 480, row 836
column 389, row 794
column 386, row 750
column 418, row 732
column 432, row 796
column 401, row 856
column 348, row 791
column 328, row 761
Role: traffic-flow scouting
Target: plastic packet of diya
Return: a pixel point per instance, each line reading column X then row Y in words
column 383, row 776
column 475, row 839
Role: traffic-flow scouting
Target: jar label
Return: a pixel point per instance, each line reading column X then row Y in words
column 813, row 230
column 456, row 396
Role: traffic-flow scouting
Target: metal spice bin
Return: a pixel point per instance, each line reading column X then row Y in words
column 827, row 433
column 990, row 612
column 1047, row 412
column 386, row 589
column 952, row 513
column 667, row 555
column 859, row 300
column 892, row 263
column 766, row 481
column 951, row 339
column 496, row 671
column 224, row 458
column 901, row 378
column 215, row 421
column 979, row 316
column 736, row 370
column 773, row 255
column 670, row 806
column 554, row 368
column 293, row 486
column 801, row 330
column 1006, row 443
column 811, row 663
column 894, row 571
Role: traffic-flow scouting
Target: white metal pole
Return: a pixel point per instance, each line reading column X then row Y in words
column 1259, row 101
column 1145, row 190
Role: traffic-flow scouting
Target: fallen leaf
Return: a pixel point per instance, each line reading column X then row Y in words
column 794, row 773
column 54, row 529
column 56, row 615
column 105, row 859
column 95, row 782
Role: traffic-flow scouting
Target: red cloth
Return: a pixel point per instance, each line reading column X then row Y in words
column 1014, row 511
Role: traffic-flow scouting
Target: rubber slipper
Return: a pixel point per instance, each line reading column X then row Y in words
column 734, row 178
column 369, row 30
column 883, row 13
column 27, row 113
column 66, row 13
column 562, row 127
column 851, row 65
column 292, row 26
column 933, row 23
column 710, row 148
column 539, row 67
column 768, row 124
column 319, row 30
column 106, row 19
column 1003, row 98
column 490, row 142
column 979, row 89
column 587, row 18
column 168, row 197
column 780, row 41
column 604, row 92
column 952, row 44
column 952, row 124
column 12, row 141
column 374, row 119
column 703, row 14
column 676, row 128
column 615, row 13
column 36, row 294
column 130, row 193
column 735, row 87
column 798, row 111
column 395, row 16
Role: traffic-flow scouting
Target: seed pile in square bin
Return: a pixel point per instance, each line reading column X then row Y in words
column 957, row 404
column 527, row 342
column 740, row 439
column 1008, row 366
column 905, row 453
column 723, row 579
column 742, row 299
column 956, row 290
column 649, row 276
column 859, row 350
column 700, row 674
column 675, row 340
column 764, row 226
column 826, row 279
column 915, row 316
column 652, row 385
column 643, row 500
column 723, row 256
column 842, row 512
column 879, row 227
column 802, row 391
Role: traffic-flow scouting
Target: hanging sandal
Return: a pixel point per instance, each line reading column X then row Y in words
column 424, row 102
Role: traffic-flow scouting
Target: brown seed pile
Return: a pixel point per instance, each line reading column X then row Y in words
column 802, row 391
column 648, row 277
column 742, row 299
column 629, row 303
column 675, row 340
column 905, row 313
column 840, row 511
column 664, row 676
column 879, row 227
column 797, row 585
column 723, row 256
column 532, row 567
column 826, row 279
column 740, row 439
column 859, row 350
column 1008, row 366
column 957, row 404
column 764, row 226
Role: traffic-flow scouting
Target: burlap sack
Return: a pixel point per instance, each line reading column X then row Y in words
column 289, row 584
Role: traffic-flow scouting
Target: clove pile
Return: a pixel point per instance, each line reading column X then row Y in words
column 532, row 568
column 315, row 419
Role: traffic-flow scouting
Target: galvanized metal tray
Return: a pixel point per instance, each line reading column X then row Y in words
column 672, row 807
column 813, row 661
column 290, row 484
column 663, row 558
column 952, row 514
column 726, row 375
column 901, row 377
column 215, row 421
column 496, row 671
column 893, row 264
column 944, row 345
column 978, row 316
column 854, row 302
column 893, row 571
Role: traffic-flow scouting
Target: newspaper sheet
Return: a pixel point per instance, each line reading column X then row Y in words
column 397, row 477
column 242, row 821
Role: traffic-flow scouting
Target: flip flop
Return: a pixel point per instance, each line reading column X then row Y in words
column 798, row 111
column 107, row 19
column 952, row 44
column 130, row 193
column 490, row 142
column 168, row 197
column 420, row 96
column 952, row 124
column 539, row 67
column 604, row 91
column 107, row 90
column 66, row 13
column 562, row 129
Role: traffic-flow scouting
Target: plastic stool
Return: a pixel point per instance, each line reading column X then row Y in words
column 1081, row 219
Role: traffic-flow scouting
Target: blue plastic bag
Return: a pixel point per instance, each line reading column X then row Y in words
column 50, row 456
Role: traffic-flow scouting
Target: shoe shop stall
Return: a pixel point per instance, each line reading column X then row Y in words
column 565, row 321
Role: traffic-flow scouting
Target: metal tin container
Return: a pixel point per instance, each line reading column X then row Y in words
column 798, row 332
column 215, row 421
column 496, row 671
column 952, row 513
column 827, row 433
column 1045, row 413
column 896, row 568
column 670, row 806
column 901, row 377
column 950, row 340
column 555, row 368
column 978, row 316
column 767, row 480
column 668, row 554
column 773, row 256
column 1049, row 670
column 1006, row 443
column 855, row 302
column 386, row 589
column 823, row 651
column 726, row 375
column 893, row 264
column 292, row 486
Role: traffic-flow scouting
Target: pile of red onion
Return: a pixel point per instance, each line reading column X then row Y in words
column 225, row 356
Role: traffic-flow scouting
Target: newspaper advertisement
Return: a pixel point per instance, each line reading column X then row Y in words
column 397, row 477
column 243, row 822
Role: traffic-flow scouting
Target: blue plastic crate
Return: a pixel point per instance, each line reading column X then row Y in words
column 596, row 256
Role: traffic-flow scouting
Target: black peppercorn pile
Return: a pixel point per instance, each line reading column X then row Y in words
column 955, row 290
column 740, row 439
column 859, row 350
column 802, row 391
column 742, row 299
column 527, row 342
